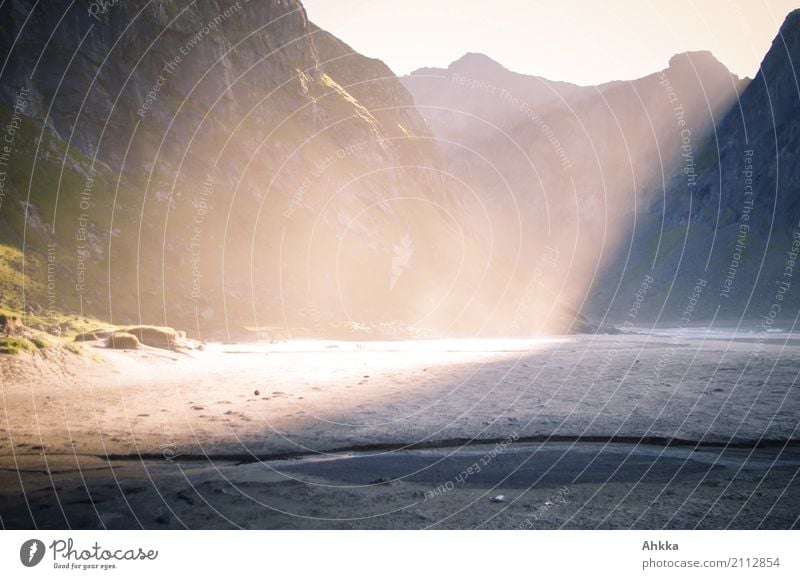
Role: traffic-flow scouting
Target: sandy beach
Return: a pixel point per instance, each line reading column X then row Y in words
column 669, row 428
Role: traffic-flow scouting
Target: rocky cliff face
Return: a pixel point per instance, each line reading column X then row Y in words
column 566, row 167
column 222, row 165
column 728, row 219
column 227, row 164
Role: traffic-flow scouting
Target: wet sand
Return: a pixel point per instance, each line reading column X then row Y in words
column 547, row 486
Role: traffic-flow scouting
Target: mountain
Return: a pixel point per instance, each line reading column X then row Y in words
column 226, row 165
column 562, row 168
column 729, row 217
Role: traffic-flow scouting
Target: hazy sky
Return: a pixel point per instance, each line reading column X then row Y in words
column 583, row 41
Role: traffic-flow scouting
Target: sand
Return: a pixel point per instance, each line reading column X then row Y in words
column 334, row 436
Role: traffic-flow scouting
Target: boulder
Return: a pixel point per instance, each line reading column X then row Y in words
column 10, row 323
column 155, row 336
column 122, row 341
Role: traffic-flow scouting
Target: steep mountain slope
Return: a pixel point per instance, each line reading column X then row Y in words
column 735, row 224
column 227, row 164
column 563, row 167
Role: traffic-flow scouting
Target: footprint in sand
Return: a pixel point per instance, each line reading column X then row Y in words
column 197, row 408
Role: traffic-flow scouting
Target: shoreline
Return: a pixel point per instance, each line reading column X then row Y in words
column 595, row 486
column 444, row 445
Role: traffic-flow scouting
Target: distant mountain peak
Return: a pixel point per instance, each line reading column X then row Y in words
column 475, row 60
column 701, row 60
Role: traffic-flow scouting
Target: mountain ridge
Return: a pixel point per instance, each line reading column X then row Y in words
column 230, row 165
column 569, row 163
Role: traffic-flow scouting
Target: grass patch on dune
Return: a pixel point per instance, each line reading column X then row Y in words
column 14, row 345
column 74, row 348
column 13, row 298
column 40, row 342
column 70, row 324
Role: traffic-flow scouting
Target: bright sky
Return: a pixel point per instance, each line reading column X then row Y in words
column 582, row 41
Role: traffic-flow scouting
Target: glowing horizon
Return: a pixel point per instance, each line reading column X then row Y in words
column 637, row 38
